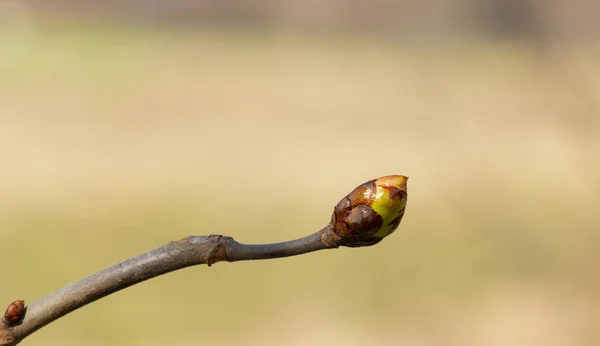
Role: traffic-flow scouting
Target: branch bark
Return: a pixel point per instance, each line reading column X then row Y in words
column 175, row 255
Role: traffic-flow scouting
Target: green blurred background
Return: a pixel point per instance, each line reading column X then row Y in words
column 127, row 124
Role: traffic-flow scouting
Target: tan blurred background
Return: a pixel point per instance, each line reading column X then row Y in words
column 127, row 124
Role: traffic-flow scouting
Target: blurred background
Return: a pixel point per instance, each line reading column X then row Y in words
column 127, row 124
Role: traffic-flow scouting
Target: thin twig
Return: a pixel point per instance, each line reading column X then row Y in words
column 364, row 217
column 176, row 255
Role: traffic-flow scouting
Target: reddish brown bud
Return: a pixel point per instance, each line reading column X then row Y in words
column 14, row 312
column 370, row 212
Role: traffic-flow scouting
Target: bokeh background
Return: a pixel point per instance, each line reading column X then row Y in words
column 127, row 124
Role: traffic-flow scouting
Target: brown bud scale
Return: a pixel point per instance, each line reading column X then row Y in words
column 355, row 220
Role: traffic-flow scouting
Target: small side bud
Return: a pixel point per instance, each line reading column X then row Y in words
column 14, row 313
column 370, row 212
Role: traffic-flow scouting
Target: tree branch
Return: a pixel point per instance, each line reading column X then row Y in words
column 364, row 217
column 175, row 255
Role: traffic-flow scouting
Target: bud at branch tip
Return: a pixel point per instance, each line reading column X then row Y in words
column 368, row 214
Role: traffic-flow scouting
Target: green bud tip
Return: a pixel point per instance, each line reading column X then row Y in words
column 369, row 213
